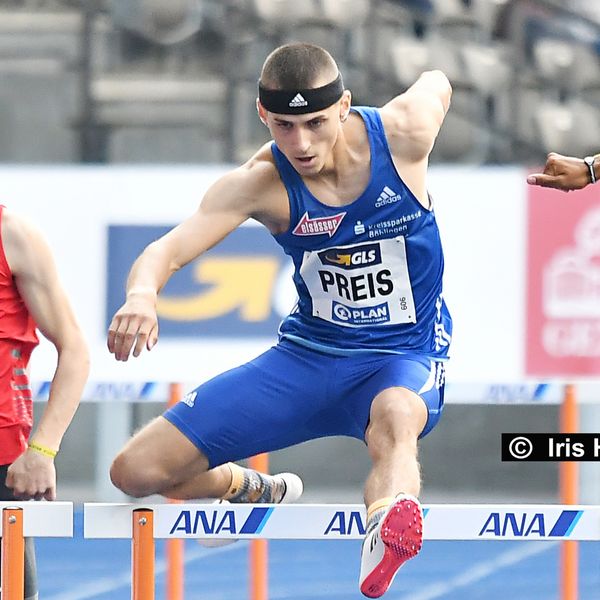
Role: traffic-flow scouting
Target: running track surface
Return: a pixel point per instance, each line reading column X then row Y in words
column 78, row 569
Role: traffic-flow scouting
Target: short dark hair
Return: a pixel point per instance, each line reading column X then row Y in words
column 297, row 66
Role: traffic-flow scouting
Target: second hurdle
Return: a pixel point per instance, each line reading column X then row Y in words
column 144, row 523
column 28, row 519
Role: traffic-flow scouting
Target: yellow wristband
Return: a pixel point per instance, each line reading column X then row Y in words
column 42, row 449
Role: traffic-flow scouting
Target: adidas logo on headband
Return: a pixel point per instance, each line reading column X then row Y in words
column 297, row 100
column 302, row 101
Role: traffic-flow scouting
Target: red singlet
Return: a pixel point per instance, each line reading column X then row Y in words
column 17, row 340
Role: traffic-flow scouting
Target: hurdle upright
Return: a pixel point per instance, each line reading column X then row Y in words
column 515, row 522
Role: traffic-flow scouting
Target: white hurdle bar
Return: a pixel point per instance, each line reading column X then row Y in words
column 28, row 519
column 345, row 521
column 44, row 519
column 144, row 523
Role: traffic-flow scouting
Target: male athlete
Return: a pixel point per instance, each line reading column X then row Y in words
column 343, row 192
column 31, row 296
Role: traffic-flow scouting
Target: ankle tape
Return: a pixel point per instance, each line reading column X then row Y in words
column 249, row 486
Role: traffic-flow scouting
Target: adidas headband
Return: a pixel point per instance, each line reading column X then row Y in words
column 300, row 102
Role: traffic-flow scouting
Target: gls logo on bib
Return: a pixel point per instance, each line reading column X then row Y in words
column 353, row 257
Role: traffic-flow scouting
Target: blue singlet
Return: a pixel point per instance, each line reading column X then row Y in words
column 370, row 316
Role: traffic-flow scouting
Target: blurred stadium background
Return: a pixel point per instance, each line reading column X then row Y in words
column 135, row 81
column 127, row 83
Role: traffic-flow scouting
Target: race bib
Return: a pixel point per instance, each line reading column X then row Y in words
column 361, row 284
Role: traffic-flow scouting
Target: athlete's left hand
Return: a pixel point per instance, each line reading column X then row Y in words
column 565, row 173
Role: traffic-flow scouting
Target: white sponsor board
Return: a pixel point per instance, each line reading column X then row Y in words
column 455, row 393
column 524, row 522
column 481, row 214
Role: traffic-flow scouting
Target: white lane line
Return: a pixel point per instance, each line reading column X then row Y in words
column 105, row 585
column 480, row 571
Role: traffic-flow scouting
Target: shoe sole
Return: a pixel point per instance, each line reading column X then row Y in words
column 402, row 535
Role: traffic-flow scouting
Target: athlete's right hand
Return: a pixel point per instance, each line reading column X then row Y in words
column 134, row 325
column 32, row 477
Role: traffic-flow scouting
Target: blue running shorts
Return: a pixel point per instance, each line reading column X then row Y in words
column 291, row 394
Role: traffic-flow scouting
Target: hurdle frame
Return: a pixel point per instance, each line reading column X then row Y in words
column 510, row 522
column 28, row 519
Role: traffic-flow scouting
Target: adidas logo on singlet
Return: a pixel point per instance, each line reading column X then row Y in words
column 387, row 196
column 189, row 399
column 297, row 100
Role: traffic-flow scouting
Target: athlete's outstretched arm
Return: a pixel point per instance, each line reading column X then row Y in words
column 226, row 205
column 413, row 119
column 566, row 172
column 33, row 475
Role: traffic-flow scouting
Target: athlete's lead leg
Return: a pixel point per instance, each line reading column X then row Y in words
column 394, row 518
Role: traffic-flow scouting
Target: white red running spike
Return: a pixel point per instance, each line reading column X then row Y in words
column 397, row 538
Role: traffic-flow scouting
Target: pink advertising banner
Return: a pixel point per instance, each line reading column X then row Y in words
column 563, row 283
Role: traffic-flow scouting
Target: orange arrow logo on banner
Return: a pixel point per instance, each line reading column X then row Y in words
column 238, row 282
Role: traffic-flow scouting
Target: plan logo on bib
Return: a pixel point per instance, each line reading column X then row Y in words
column 367, row 315
column 319, row 225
